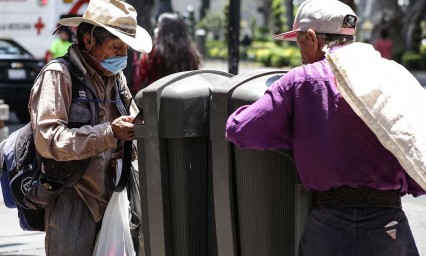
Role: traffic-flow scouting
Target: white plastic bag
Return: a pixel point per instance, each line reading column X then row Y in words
column 114, row 238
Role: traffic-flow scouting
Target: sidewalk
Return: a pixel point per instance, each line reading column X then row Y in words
column 415, row 209
column 15, row 241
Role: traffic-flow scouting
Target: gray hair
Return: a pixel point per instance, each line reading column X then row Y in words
column 331, row 40
column 99, row 33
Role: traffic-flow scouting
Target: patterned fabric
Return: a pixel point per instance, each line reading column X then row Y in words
column 346, row 196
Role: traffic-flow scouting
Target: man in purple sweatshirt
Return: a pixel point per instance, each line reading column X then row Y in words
column 357, row 183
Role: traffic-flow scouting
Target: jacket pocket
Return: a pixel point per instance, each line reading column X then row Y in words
column 79, row 115
column 39, row 196
column 394, row 239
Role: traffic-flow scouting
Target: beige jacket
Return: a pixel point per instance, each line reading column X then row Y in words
column 50, row 101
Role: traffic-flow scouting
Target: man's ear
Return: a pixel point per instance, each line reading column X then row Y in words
column 88, row 41
column 312, row 37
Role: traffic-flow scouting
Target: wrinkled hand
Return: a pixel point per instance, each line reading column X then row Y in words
column 122, row 128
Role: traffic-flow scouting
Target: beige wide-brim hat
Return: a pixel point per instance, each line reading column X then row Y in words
column 116, row 17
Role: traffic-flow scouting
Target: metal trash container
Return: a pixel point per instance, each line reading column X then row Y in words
column 260, row 208
column 175, row 166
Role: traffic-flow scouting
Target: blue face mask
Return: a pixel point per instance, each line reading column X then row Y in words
column 114, row 64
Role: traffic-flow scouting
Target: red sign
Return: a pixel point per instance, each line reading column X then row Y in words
column 39, row 26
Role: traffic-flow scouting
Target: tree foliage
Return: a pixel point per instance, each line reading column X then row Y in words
column 214, row 23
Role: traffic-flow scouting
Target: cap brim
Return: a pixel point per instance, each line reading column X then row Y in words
column 287, row 36
column 141, row 42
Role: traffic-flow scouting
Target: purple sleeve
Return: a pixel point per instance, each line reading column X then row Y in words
column 414, row 188
column 266, row 123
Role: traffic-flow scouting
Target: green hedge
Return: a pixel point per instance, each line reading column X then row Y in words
column 268, row 53
column 273, row 54
column 414, row 61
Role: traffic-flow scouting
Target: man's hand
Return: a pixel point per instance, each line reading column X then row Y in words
column 122, row 128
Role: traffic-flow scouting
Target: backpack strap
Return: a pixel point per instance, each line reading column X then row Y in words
column 24, row 146
column 119, row 94
column 2, row 143
column 127, row 148
column 121, row 91
column 78, row 84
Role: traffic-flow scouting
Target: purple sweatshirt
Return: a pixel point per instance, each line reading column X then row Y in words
column 305, row 112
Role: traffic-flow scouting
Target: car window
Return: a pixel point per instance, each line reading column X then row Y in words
column 7, row 47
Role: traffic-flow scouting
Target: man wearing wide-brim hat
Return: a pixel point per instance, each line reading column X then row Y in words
column 76, row 115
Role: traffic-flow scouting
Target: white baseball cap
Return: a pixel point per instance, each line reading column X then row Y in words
column 118, row 18
column 322, row 16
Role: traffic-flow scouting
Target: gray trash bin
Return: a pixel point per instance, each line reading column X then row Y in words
column 260, row 208
column 175, row 166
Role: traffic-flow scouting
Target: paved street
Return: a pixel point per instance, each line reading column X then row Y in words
column 415, row 209
column 14, row 241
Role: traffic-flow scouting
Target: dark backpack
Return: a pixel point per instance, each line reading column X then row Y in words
column 20, row 164
column 20, row 169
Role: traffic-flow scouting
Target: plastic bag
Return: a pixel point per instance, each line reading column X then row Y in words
column 114, row 238
column 133, row 194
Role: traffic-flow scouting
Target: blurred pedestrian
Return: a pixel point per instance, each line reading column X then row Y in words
column 356, row 182
column 172, row 52
column 60, row 45
column 384, row 45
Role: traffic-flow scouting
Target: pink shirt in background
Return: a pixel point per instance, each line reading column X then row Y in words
column 384, row 46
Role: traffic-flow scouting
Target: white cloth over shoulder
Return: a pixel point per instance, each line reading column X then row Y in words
column 389, row 99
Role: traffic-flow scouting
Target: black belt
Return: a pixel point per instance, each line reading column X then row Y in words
column 346, row 196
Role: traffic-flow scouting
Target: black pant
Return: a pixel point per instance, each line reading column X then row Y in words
column 357, row 231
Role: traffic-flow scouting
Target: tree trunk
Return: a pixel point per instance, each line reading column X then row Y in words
column 289, row 8
column 144, row 10
column 234, row 36
column 205, row 5
column 267, row 13
column 164, row 6
column 412, row 30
